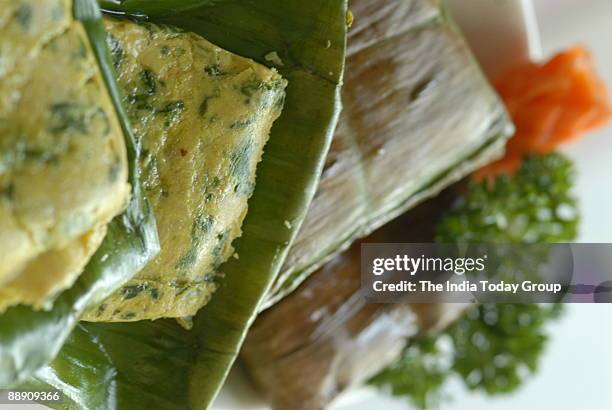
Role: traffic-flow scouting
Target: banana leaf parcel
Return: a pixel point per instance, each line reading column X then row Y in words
column 324, row 339
column 66, row 144
column 418, row 115
column 161, row 364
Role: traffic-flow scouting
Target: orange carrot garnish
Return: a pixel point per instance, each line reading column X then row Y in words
column 550, row 104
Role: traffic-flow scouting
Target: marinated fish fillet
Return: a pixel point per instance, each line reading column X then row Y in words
column 63, row 167
column 203, row 116
column 418, row 115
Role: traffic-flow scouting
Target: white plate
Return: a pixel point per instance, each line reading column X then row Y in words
column 500, row 32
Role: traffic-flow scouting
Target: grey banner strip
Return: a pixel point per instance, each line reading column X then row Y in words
column 491, row 273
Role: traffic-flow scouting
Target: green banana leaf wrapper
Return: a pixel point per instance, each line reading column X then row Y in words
column 418, row 115
column 158, row 365
column 29, row 339
column 331, row 340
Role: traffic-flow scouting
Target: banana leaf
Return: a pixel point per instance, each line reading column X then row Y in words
column 418, row 115
column 159, row 364
column 29, row 339
column 324, row 339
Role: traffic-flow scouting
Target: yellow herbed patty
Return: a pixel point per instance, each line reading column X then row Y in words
column 63, row 168
column 203, row 116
